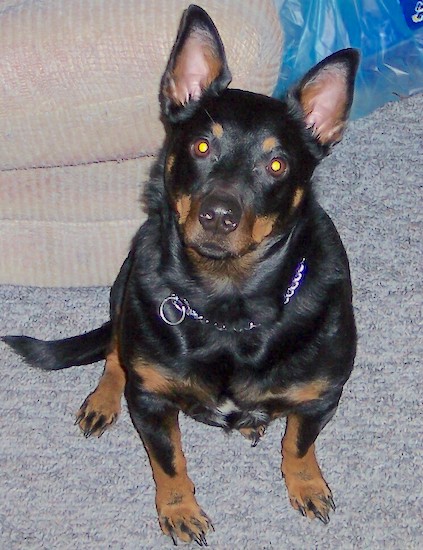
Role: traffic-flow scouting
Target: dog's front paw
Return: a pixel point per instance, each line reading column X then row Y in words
column 185, row 521
column 312, row 497
column 97, row 413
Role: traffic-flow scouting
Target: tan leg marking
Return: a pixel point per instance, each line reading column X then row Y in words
column 153, row 380
column 308, row 491
column 102, row 407
column 179, row 514
column 301, row 393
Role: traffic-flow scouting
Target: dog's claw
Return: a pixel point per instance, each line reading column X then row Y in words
column 324, row 518
column 187, row 525
column 208, row 520
column 254, row 441
column 302, row 511
column 174, row 539
column 201, row 540
column 79, row 416
column 331, row 503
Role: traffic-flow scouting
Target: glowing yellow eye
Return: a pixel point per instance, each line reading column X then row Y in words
column 203, row 147
column 277, row 167
column 200, row 148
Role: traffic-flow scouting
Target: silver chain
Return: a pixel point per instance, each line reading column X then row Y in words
column 296, row 281
column 182, row 306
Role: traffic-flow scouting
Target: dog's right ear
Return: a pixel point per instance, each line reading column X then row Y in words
column 197, row 65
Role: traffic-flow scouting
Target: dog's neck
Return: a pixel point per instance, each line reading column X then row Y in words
column 248, row 272
column 222, row 276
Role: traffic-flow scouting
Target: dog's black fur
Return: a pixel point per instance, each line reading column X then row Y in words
column 231, row 217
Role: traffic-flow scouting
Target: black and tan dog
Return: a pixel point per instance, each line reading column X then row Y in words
column 234, row 304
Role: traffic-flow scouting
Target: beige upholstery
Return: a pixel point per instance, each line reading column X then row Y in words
column 79, row 123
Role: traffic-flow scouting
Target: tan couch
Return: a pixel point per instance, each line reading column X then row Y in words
column 79, row 123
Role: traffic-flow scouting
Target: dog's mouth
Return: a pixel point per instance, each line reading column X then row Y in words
column 212, row 251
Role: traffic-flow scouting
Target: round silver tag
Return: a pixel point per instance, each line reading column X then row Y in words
column 179, row 307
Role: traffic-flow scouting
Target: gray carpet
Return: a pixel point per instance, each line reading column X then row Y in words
column 61, row 491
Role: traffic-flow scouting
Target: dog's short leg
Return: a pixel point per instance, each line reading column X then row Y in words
column 308, row 491
column 180, row 516
column 102, row 407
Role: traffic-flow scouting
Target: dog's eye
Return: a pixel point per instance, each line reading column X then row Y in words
column 276, row 167
column 200, row 148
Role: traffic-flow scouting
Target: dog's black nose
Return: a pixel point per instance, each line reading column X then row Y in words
column 220, row 213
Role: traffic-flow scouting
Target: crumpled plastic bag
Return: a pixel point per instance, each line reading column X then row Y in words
column 388, row 33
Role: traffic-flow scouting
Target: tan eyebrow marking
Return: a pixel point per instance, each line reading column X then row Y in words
column 268, row 144
column 217, row 130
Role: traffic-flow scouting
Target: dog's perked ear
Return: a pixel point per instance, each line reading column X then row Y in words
column 197, row 65
column 326, row 93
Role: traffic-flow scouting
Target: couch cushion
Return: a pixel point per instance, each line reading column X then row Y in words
column 80, row 79
column 74, row 228
column 80, row 124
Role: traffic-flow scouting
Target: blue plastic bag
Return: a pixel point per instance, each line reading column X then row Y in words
column 389, row 34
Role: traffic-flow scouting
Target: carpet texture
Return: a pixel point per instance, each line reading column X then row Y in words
column 61, row 491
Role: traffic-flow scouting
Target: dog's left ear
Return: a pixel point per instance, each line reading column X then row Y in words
column 197, row 64
column 326, row 94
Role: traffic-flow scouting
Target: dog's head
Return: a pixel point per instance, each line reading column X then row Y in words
column 238, row 164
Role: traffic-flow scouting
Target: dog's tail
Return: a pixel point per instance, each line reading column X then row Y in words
column 62, row 354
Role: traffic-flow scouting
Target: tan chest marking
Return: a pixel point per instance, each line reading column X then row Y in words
column 153, row 379
column 157, row 380
column 294, row 394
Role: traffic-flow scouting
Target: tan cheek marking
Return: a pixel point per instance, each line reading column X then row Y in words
column 217, row 130
column 300, row 393
column 299, row 194
column 183, row 207
column 269, row 144
column 170, row 162
column 262, row 228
